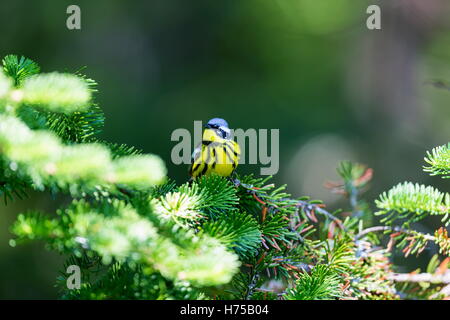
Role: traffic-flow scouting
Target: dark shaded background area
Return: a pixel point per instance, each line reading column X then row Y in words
column 336, row 90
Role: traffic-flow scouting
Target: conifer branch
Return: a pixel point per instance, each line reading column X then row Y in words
column 439, row 161
column 392, row 229
column 412, row 203
column 421, row 277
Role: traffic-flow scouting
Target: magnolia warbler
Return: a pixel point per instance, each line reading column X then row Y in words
column 218, row 152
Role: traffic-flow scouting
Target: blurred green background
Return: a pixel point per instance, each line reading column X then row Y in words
column 311, row 68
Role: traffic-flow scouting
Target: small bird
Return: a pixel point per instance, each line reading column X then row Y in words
column 218, row 152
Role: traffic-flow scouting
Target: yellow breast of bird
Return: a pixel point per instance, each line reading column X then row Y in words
column 225, row 157
column 220, row 157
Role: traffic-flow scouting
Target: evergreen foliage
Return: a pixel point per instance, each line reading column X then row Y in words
column 406, row 204
column 136, row 234
column 439, row 161
column 412, row 203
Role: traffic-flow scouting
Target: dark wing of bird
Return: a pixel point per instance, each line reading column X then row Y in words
column 194, row 159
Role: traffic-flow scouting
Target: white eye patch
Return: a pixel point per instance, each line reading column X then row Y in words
column 226, row 131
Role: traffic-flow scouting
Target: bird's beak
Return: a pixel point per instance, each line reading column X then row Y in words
column 207, row 126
